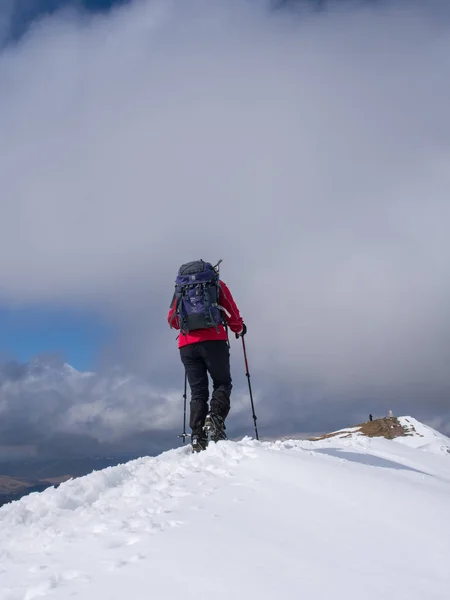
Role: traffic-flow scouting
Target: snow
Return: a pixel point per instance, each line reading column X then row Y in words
column 338, row 518
column 423, row 437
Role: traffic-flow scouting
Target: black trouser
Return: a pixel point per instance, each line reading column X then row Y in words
column 199, row 359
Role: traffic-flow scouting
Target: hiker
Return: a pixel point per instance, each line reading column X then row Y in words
column 200, row 308
column 370, row 418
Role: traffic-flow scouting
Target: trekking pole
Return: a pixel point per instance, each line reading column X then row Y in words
column 249, row 387
column 184, row 435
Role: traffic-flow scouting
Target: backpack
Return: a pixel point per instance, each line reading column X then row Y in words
column 196, row 297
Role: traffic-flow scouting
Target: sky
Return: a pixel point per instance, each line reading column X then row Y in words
column 307, row 149
column 30, row 332
column 17, row 16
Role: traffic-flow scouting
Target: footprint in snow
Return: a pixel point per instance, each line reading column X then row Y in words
column 73, row 575
column 41, row 589
column 123, row 562
column 37, row 568
column 124, row 541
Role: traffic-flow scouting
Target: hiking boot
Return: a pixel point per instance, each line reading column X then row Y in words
column 199, row 442
column 215, row 427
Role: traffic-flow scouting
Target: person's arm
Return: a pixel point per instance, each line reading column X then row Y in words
column 234, row 319
column 172, row 319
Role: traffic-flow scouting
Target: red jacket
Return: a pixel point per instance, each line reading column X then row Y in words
column 234, row 321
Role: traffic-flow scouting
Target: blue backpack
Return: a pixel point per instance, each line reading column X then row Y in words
column 196, row 297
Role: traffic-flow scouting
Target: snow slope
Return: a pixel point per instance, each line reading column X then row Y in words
column 423, row 437
column 417, row 435
column 340, row 518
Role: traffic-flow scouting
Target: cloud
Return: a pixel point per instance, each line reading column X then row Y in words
column 17, row 15
column 48, row 408
column 307, row 149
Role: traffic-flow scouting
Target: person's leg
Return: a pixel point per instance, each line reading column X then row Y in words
column 197, row 375
column 216, row 355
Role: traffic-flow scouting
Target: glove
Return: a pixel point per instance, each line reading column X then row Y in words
column 243, row 332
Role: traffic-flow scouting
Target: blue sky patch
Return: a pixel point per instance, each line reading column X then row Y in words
column 76, row 336
column 27, row 11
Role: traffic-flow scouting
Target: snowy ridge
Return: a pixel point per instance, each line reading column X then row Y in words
column 247, row 519
column 407, row 431
column 423, row 437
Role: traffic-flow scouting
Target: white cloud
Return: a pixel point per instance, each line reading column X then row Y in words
column 308, row 152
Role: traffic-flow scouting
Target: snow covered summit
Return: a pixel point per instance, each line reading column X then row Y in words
column 406, row 430
column 354, row 518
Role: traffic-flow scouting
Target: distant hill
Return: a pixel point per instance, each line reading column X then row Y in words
column 406, row 430
column 388, row 427
column 13, row 489
column 17, row 479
